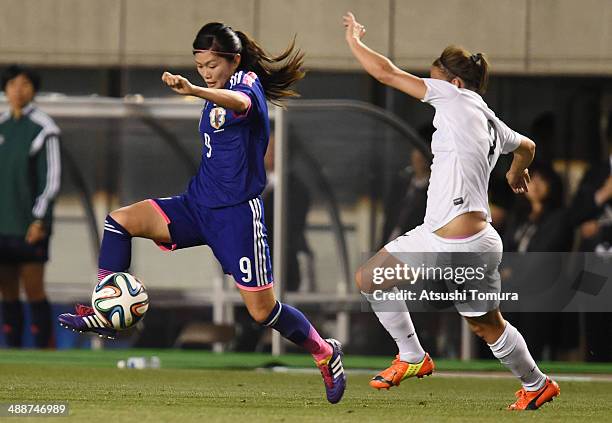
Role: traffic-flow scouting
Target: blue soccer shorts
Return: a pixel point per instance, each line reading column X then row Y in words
column 236, row 234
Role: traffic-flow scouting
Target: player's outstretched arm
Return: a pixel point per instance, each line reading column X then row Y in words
column 518, row 175
column 379, row 66
column 225, row 98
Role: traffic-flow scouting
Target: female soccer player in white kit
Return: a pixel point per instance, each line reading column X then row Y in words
column 468, row 140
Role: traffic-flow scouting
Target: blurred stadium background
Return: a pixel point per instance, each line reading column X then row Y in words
column 341, row 148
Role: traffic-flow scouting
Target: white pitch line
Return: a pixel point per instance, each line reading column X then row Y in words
column 443, row 374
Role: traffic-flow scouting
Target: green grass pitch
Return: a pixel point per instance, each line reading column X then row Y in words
column 205, row 387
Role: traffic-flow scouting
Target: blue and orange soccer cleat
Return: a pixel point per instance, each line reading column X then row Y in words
column 85, row 320
column 400, row 370
column 333, row 372
column 532, row 400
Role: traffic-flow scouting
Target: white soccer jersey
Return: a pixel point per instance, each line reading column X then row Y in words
column 466, row 145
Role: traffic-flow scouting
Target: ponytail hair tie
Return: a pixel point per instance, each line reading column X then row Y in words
column 476, row 58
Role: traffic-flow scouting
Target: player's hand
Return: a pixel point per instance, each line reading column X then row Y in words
column 178, row 83
column 354, row 30
column 36, row 232
column 518, row 181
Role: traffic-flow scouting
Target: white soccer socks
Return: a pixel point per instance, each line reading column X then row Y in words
column 395, row 317
column 512, row 352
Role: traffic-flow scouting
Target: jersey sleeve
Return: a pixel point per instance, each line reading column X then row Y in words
column 509, row 139
column 248, row 84
column 439, row 91
column 48, row 171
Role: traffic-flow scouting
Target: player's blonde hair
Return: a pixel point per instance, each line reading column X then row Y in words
column 473, row 69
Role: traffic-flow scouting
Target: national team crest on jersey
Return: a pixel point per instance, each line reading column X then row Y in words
column 249, row 79
column 217, row 117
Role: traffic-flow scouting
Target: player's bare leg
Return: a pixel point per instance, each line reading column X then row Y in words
column 508, row 345
column 294, row 326
column 489, row 326
column 259, row 303
column 143, row 220
column 412, row 360
column 32, row 276
column 9, row 282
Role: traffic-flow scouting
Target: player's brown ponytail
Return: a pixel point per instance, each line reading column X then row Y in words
column 277, row 73
column 473, row 69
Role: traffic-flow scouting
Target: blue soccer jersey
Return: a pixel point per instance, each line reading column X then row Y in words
column 232, row 167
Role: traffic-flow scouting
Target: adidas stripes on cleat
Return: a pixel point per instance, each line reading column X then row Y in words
column 400, row 370
column 332, row 371
column 532, row 400
column 85, row 320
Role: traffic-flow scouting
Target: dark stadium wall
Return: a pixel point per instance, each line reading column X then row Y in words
column 574, row 103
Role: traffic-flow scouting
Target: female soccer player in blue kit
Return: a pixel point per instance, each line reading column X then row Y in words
column 222, row 207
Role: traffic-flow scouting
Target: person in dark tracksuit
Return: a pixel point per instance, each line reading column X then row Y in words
column 30, row 170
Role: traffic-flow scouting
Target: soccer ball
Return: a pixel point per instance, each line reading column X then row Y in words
column 120, row 300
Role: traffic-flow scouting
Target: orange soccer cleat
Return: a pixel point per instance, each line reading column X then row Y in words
column 400, row 370
column 532, row 400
